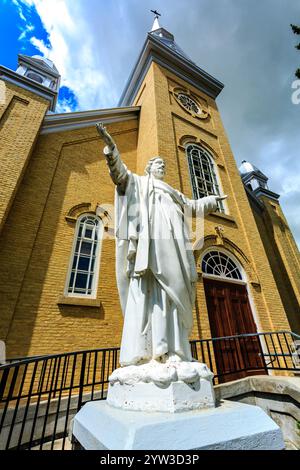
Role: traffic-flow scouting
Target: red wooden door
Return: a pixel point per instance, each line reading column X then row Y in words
column 230, row 315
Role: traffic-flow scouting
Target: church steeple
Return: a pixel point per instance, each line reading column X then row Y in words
column 160, row 47
column 156, row 24
column 167, row 38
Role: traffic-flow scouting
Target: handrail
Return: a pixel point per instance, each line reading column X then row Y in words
column 40, row 395
column 57, row 355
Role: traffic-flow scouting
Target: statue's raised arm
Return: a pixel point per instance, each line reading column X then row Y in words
column 118, row 171
column 105, row 136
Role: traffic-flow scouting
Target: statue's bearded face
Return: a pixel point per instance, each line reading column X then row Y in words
column 157, row 168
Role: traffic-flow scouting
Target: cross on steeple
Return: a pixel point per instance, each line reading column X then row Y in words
column 156, row 24
column 155, row 13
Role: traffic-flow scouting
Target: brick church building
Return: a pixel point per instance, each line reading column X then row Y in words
column 57, row 270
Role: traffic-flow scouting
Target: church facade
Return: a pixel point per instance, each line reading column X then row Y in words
column 57, row 270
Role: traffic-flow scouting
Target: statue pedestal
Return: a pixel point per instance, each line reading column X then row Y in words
column 232, row 425
column 172, row 386
column 174, row 397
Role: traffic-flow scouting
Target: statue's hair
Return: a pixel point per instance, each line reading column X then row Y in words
column 149, row 164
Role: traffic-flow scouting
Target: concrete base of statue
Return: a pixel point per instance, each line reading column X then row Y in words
column 171, row 406
column 173, row 386
column 229, row 426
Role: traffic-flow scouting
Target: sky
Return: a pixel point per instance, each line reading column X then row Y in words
column 246, row 44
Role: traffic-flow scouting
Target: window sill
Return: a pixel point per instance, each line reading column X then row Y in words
column 222, row 216
column 79, row 301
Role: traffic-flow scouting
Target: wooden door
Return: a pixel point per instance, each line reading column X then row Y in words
column 230, row 315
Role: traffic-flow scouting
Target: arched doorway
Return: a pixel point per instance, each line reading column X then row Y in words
column 230, row 315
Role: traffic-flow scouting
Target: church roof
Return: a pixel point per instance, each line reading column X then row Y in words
column 40, row 62
column 166, row 38
column 160, row 47
column 246, row 168
column 82, row 119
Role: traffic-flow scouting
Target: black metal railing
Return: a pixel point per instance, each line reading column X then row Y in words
column 39, row 396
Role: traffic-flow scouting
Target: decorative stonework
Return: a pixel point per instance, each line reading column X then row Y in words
column 77, row 210
column 253, row 276
column 188, row 139
column 220, row 234
column 190, row 103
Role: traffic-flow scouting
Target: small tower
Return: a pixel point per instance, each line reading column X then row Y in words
column 42, row 71
column 255, row 180
column 30, row 93
column 36, row 74
column 278, row 240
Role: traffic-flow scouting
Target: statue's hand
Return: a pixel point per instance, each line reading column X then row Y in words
column 221, row 198
column 105, row 135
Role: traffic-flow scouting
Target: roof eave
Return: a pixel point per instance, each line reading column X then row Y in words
column 266, row 192
column 42, row 65
column 82, row 119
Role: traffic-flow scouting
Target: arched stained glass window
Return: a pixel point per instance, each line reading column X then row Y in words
column 203, row 175
column 217, row 263
column 84, row 265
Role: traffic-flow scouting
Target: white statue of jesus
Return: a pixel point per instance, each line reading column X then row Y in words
column 156, row 272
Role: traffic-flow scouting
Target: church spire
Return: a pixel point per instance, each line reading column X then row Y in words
column 160, row 47
column 156, row 24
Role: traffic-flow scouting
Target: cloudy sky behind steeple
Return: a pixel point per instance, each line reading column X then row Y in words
column 246, row 44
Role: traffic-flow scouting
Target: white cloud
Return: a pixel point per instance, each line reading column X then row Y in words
column 20, row 9
column 64, row 106
column 72, row 51
column 41, row 46
column 27, row 29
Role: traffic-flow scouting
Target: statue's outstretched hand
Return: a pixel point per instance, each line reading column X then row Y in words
column 221, row 198
column 105, row 135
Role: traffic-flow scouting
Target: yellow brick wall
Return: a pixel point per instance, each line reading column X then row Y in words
column 66, row 169
column 147, row 145
column 21, row 115
column 283, row 256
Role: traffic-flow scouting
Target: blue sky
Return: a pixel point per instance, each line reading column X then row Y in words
column 246, row 44
column 20, row 22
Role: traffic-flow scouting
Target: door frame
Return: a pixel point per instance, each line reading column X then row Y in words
column 244, row 281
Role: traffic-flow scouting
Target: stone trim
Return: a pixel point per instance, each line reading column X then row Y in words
column 79, row 301
column 79, row 120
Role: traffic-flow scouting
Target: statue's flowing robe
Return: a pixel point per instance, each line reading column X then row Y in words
column 156, row 272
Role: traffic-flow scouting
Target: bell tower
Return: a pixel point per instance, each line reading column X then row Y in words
column 180, row 122
column 26, row 95
column 41, row 71
column 162, row 70
column 277, row 237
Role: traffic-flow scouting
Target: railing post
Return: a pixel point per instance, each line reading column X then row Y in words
column 81, row 380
